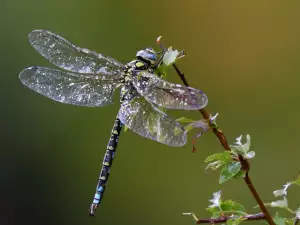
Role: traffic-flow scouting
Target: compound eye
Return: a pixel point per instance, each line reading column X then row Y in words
column 140, row 53
column 150, row 49
column 151, row 56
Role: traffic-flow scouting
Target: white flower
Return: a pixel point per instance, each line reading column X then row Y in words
column 298, row 214
column 283, row 191
column 170, row 56
column 216, row 200
column 238, row 140
column 280, row 203
column 250, row 155
column 243, row 149
column 213, row 118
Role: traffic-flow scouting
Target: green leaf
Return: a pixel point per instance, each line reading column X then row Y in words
column 177, row 131
column 230, row 222
column 232, row 206
column 227, row 207
column 239, row 213
column 162, row 71
column 215, row 165
column 279, row 220
column 125, row 128
column 297, row 181
column 185, row 120
column 229, row 171
column 240, row 174
column 223, row 156
column 239, row 220
column 202, row 124
column 214, row 210
column 289, row 221
column 188, row 127
column 216, row 215
column 221, row 159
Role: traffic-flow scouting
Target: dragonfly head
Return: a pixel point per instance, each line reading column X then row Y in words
column 148, row 55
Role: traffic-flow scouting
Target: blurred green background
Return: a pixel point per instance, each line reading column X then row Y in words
column 244, row 54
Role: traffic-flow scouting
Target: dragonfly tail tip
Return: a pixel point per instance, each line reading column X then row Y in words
column 92, row 209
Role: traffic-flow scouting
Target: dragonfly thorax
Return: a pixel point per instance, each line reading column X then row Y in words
column 134, row 66
column 128, row 91
column 137, row 65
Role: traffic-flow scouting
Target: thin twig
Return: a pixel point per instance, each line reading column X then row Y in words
column 296, row 221
column 221, row 136
column 258, row 199
column 259, row 216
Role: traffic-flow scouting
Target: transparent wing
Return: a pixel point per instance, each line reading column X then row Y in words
column 71, row 88
column 148, row 121
column 67, row 56
column 168, row 95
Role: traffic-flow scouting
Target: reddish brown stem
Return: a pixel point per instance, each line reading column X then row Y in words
column 258, row 199
column 259, row 216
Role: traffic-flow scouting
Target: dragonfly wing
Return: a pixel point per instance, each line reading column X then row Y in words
column 168, row 95
column 143, row 118
column 67, row 56
column 71, row 88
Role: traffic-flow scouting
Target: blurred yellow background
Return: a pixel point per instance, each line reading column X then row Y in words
column 244, row 54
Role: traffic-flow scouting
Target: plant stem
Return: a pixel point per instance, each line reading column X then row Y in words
column 221, row 136
column 258, row 199
column 259, row 216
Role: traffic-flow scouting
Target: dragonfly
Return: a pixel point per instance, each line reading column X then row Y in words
column 87, row 78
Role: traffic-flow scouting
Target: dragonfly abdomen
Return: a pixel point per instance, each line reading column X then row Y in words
column 106, row 165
